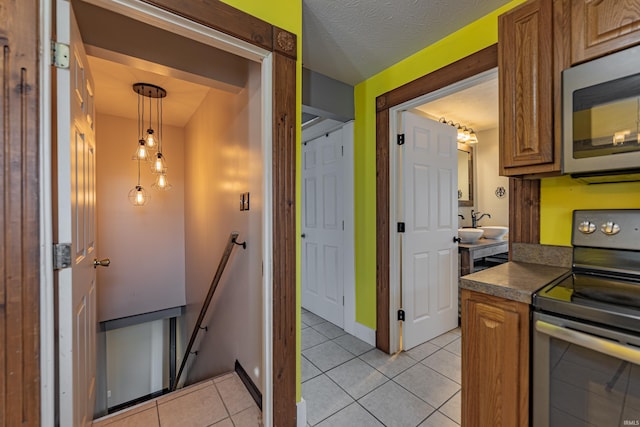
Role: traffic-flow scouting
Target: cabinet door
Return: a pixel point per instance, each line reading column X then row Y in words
column 526, row 75
column 495, row 361
column 603, row 26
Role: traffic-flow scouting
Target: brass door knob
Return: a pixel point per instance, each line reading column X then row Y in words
column 102, row 262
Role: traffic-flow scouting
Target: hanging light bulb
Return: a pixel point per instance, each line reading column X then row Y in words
column 161, row 183
column 138, row 196
column 159, row 166
column 141, row 153
column 150, row 139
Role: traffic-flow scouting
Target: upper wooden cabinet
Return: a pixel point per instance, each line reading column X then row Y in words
column 600, row 27
column 537, row 40
column 530, row 60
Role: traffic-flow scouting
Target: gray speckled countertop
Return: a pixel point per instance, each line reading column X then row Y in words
column 515, row 281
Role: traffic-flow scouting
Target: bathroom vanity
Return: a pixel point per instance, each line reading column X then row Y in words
column 482, row 248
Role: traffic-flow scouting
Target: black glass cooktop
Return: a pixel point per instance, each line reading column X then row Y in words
column 612, row 301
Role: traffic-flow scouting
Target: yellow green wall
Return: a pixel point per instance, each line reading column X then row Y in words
column 286, row 14
column 560, row 196
column 470, row 39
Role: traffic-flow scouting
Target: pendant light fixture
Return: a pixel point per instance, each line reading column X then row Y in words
column 138, row 195
column 149, row 146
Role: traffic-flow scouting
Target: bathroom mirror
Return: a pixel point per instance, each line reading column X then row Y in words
column 465, row 175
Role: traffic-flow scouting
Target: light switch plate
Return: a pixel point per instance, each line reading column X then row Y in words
column 244, row 201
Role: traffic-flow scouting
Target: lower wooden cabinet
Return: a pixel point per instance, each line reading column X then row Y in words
column 495, row 361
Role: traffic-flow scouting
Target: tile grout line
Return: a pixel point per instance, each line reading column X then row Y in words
column 388, row 378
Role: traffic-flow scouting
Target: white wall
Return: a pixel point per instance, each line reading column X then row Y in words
column 488, row 180
column 145, row 243
column 223, row 159
column 136, row 361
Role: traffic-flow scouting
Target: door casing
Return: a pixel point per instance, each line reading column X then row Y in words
column 387, row 107
column 350, row 325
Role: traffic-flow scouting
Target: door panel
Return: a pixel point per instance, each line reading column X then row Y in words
column 429, row 256
column 76, row 225
column 322, row 227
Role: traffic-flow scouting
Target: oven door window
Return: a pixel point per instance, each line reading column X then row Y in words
column 606, row 118
column 587, row 388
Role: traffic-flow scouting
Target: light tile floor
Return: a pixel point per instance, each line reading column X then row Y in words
column 347, row 382
column 221, row 402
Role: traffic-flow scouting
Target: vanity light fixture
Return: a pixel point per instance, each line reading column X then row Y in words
column 466, row 135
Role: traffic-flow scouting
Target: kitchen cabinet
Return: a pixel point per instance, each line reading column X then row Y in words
column 602, row 27
column 533, row 51
column 495, row 361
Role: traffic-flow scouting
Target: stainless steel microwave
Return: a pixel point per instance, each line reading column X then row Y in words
column 601, row 117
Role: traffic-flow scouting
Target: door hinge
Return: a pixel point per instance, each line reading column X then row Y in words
column 401, row 227
column 61, row 255
column 401, row 139
column 342, row 150
column 401, row 315
column 60, row 54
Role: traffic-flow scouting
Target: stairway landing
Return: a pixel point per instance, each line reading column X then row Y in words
column 221, row 402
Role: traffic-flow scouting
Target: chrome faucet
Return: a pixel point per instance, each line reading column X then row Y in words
column 475, row 218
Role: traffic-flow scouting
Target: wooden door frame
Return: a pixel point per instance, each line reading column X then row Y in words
column 524, row 202
column 21, row 208
column 20, row 216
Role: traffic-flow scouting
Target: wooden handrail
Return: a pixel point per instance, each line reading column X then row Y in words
column 205, row 305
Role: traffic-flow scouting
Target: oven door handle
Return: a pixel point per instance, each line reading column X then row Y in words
column 601, row 345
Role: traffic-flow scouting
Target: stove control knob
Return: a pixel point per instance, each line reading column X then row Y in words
column 610, row 228
column 587, row 227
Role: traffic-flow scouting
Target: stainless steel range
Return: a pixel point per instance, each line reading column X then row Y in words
column 586, row 328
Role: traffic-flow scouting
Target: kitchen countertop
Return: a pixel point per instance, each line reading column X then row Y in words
column 516, row 281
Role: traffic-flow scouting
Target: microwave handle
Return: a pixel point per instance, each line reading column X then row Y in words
column 611, row 348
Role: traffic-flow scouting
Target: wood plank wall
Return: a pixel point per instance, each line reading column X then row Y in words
column 19, row 210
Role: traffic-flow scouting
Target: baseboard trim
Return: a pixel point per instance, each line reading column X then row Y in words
column 137, row 401
column 249, row 384
column 362, row 332
column 301, row 410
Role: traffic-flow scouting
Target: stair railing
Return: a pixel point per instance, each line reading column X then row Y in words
column 205, row 305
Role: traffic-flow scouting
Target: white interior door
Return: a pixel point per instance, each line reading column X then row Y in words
column 323, row 227
column 76, row 225
column 429, row 254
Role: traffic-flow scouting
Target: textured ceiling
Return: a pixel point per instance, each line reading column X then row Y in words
column 352, row 40
column 475, row 107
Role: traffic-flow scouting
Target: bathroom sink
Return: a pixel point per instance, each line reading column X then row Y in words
column 494, row 232
column 469, row 235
